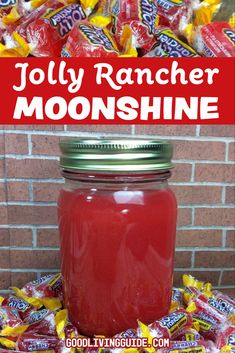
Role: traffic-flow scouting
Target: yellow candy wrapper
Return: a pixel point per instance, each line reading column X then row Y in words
column 19, row 48
column 102, row 17
column 5, row 342
column 88, row 5
column 126, row 42
column 228, row 349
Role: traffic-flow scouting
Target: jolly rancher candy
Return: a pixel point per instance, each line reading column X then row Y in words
column 167, row 44
column 48, row 34
column 216, row 39
column 45, row 291
column 140, row 16
column 30, row 342
column 23, row 307
column 189, row 347
column 175, row 14
column 87, row 40
column 168, row 327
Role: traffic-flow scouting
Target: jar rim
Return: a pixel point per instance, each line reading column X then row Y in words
column 116, row 155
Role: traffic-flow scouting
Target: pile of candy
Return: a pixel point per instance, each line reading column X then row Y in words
column 117, row 28
column 201, row 320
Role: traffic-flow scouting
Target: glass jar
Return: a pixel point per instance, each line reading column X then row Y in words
column 117, row 223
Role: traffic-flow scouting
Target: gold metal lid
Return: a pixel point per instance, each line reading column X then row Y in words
column 118, row 155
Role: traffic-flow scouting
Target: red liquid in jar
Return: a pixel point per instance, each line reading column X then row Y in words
column 117, row 250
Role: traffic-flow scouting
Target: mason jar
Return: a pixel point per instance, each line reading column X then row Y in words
column 117, row 223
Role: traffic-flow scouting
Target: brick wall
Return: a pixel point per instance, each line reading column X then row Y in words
column 203, row 181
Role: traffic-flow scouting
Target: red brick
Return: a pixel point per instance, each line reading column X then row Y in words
column 183, row 259
column 4, row 258
column 2, row 144
column 16, row 143
column 228, row 278
column 220, row 173
column 17, row 191
column 231, row 151
column 184, row 217
column 32, row 214
column 199, row 150
column 20, row 237
column 230, row 194
column 207, row 276
column 36, row 127
column 216, row 259
column 45, row 145
column 181, row 172
column 4, row 237
column 2, row 168
column 35, row 259
column 5, row 280
column 47, row 237
column 117, row 129
column 46, row 191
column 217, row 130
column 199, row 238
column 228, row 291
column 198, row 194
column 230, row 238
column 2, row 192
column 32, row 168
column 3, row 215
column 19, row 279
column 166, row 130
column 215, row 216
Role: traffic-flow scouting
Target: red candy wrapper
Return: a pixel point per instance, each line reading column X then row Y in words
column 216, row 39
column 189, row 347
column 50, row 285
column 41, row 321
column 208, row 318
column 23, row 308
column 220, row 307
column 9, row 317
column 226, row 337
column 175, row 14
column 167, row 44
column 188, row 334
column 87, row 40
column 140, row 16
column 47, row 35
column 32, row 342
column 226, row 303
column 34, row 287
column 168, row 327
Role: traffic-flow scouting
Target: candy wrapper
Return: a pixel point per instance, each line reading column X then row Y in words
column 102, row 16
column 140, row 15
column 30, row 342
column 177, row 299
column 48, row 34
column 45, row 291
column 22, row 307
column 226, row 337
column 175, row 14
column 169, row 45
column 215, row 39
column 168, row 327
column 41, row 321
column 88, row 40
column 189, row 347
column 10, row 322
column 207, row 317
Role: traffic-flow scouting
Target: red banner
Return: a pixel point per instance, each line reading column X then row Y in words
column 117, row 91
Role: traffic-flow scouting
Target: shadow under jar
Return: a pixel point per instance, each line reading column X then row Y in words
column 117, row 223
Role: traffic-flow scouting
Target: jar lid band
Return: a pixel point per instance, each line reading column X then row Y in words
column 118, row 155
